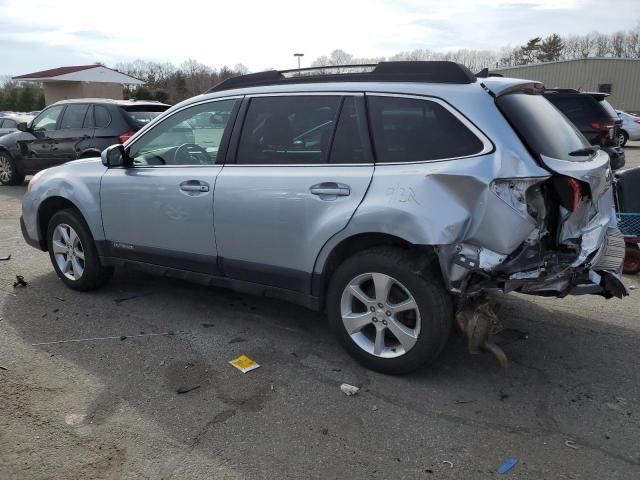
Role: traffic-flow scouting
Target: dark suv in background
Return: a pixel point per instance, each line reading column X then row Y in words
column 593, row 116
column 71, row 129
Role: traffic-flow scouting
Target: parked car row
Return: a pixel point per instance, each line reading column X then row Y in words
column 392, row 199
column 68, row 130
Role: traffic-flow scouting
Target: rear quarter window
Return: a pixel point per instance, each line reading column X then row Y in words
column 415, row 130
column 102, row 115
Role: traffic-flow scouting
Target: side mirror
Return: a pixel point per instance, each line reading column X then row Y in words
column 23, row 127
column 114, row 156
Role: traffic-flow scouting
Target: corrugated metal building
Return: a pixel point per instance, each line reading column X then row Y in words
column 618, row 76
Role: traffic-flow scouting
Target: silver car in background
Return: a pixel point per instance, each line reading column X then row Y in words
column 630, row 128
column 393, row 198
column 9, row 122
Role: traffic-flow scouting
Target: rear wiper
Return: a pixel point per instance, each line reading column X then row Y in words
column 583, row 152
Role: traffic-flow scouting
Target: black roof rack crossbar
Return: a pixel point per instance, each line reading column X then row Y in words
column 430, row 72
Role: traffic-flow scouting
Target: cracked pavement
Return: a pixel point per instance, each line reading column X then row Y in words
column 109, row 408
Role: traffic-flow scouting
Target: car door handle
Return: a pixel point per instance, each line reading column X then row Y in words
column 194, row 186
column 331, row 189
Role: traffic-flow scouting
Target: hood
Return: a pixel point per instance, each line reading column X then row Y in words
column 11, row 139
column 85, row 161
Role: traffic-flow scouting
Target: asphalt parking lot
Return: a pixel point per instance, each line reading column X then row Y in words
column 568, row 408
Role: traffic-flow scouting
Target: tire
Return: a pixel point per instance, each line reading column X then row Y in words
column 631, row 265
column 623, row 138
column 412, row 277
column 10, row 174
column 79, row 274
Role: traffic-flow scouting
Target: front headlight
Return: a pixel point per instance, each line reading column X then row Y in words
column 34, row 179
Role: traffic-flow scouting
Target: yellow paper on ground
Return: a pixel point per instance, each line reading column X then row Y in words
column 244, row 364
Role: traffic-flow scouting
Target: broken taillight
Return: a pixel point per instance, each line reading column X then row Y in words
column 576, row 193
column 605, row 129
column 569, row 191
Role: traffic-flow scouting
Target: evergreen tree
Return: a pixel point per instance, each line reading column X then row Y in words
column 551, row 48
column 530, row 51
column 26, row 99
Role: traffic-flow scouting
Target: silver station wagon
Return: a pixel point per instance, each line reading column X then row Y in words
column 393, row 196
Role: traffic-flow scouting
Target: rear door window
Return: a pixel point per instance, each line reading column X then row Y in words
column 8, row 123
column 416, row 130
column 542, row 127
column 73, row 116
column 288, row 130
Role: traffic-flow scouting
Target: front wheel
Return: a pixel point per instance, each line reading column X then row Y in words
column 9, row 172
column 389, row 309
column 73, row 252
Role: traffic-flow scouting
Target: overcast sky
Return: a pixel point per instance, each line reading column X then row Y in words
column 41, row 34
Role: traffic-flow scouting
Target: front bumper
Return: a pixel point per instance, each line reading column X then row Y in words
column 34, row 242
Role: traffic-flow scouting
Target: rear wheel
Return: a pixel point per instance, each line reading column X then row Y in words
column 9, row 172
column 622, row 138
column 389, row 309
column 73, row 252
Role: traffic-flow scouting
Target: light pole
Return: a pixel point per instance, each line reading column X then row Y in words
column 298, row 55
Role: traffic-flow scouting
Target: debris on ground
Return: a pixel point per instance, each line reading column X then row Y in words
column 60, row 299
column 336, row 369
column 632, row 287
column 20, row 282
column 3, row 368
column 121, row 337
column 187, row 389
column 130, row 297
column 478, row 321
column 374, row 408
column 349, row 390
column 448, row 463
column 503, row 396
column 324, row 431
column 244, row 364
column 571, row 444
column 75, row 419
column 237, row 340
column 463, row 402
column 4, row 259
column 162, row 363
column 208, row 325
column 507, row 465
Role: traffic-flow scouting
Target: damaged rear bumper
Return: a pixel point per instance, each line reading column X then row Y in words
column 586, row 255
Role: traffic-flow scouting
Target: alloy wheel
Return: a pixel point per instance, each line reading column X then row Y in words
column 380, row 315
column 68, row 251
column 5, row 169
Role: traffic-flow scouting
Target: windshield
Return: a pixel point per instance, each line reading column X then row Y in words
column 609, row 109
column 542, row 127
